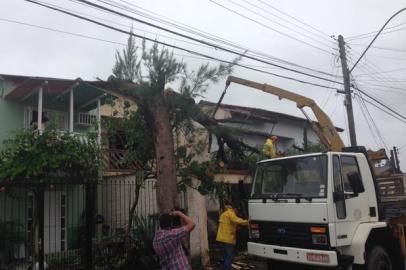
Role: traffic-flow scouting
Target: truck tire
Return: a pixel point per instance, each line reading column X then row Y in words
column 378, row 259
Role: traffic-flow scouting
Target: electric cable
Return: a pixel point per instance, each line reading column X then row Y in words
column 275, row 22
column 292, row 17
column 205, row 35
column 179, row 34
column 369, row 34
column 270, row 28
column 287, row 21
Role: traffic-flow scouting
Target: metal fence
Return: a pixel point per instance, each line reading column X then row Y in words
column 70, row 226
column 45, row 225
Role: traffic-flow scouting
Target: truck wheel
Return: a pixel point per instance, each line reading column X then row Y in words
column 378, row 259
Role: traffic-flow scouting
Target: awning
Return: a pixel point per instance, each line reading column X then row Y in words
column 55, row 92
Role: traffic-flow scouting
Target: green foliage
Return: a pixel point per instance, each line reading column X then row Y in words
column 39, row 156
column 133, row 135
column 203, row 171
column 126, row 67
column 144, row 231
column 152, row 71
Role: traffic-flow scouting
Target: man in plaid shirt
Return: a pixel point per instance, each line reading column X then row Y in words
column 168, row 241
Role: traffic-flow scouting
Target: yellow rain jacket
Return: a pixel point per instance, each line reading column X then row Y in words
column 228, row 226
column 269, row 148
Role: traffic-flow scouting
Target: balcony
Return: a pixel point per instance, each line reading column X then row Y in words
column 117, row 162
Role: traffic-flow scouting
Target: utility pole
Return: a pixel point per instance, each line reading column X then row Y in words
column 347, row 91
column 397, row 165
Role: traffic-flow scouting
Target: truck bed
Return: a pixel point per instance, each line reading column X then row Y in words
column 393, row 195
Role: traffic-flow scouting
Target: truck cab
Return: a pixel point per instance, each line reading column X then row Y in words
column 320, row 209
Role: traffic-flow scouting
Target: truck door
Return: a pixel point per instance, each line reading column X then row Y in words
column 350, row 210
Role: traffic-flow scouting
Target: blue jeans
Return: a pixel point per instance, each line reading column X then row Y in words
column 228, row 256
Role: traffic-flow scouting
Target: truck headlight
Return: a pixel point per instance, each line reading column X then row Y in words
column 319, row 239
column 254, row 230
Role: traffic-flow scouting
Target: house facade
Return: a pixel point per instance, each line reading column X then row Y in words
column 73, row 106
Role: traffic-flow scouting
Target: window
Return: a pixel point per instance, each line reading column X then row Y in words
column 301, row 176
column 348, row 166
column 338, row 187
column 58, row 117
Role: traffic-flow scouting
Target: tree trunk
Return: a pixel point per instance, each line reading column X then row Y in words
column 138, row 184
column 165, row 155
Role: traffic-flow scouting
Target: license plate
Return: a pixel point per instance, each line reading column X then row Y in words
column 316, row 257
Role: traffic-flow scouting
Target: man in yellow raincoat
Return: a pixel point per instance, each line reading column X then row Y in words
column 227, row 231
column 269, row 148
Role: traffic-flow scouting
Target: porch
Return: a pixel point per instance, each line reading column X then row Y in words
column 70, row 105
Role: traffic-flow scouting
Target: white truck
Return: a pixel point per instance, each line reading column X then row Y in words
column 326, row 209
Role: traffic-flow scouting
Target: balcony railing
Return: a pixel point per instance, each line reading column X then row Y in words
column 115, row 160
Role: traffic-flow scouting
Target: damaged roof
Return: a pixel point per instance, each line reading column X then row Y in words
column 254, row 113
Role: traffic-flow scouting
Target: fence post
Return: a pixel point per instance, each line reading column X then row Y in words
column 40, row 207
column 90, row 202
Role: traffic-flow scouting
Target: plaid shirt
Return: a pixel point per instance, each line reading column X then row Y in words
column 168, row 246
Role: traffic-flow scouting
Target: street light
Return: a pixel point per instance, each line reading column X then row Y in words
column 403, row 9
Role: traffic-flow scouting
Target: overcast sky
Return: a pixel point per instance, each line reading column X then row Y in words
column 26, row 50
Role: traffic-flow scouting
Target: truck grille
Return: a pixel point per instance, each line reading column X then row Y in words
column 288, row 234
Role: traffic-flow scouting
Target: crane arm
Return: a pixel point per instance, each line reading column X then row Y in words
column 325, row 129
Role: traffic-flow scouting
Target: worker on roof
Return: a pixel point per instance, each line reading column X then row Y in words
column 269, row 148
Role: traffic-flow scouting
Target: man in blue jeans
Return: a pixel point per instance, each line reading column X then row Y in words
column 227, row 231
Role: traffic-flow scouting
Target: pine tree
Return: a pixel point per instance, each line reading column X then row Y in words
column 145, row 79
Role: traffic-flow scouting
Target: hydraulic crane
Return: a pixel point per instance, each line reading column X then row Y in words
column 324, row 129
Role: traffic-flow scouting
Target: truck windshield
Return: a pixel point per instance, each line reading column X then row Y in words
column 302, row 177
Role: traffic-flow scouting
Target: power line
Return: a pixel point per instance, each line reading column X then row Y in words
column 270, row 28
column 380, row 47
column 387, row 71
column 285, row 20
column 173, row 32
column 61, row 31
column 372, row 80
column 198, row 32
column 376, row 133
column 108, row 41
column 273, row 21
column 384, row 33
column 292, row 17
column 386, row 57
column 369, row 34
column 383, row 110
column 367, row 121
column 385, row 87
column 177, row 47
column 381, row 77
column 380, row 103
column 99, row 39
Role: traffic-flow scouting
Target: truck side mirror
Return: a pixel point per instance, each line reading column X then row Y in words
column 355, row 182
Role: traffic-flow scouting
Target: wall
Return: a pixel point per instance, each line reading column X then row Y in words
column 199, row 245
column 11, row 114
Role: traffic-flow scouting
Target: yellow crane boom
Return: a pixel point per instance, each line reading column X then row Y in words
column 324, row 129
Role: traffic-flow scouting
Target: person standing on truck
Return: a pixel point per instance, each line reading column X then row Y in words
column 269, row 148
column 227, row 231
column 167, row 242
